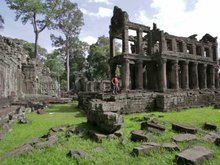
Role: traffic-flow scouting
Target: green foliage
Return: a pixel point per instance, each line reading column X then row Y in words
column 38, row 12
column 115, row 151
column 98, row 59
column 99, row 53
column 1, row 22
column 55, row 62
column 42, row 52
column 68, row 20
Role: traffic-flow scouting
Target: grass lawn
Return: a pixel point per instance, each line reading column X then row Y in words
column 111, row 151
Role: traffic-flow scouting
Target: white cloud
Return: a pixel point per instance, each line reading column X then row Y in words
column 108, row 2
column 172, row 17
column 89, row 39
column 102, row 12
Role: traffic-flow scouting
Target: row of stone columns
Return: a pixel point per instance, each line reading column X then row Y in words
column 191, row 77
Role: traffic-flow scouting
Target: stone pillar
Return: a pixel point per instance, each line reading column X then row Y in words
column 210, row 52
column 162, row 75
column 126, row 75
column 204, row 74
column 140, row 41
column 140, row 74
column 185, row 75
column 184, row 47
column 174, row 46
column 216, row 78
column 193, row 49
column 164, row 44
column 195, row 78
column 202, row 51
column 125, row 38
column 112, row 46
column 176, row 74
column 212, row 77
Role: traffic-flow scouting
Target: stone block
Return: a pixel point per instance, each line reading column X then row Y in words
column 98, row 137
column 77, row 153
column 184, row 137
column 152, row 127
column 20, row 150
column 184, row 128
column 217, row 141
column 139, row 135
column 195, row 155
column 210, row 126
column 170, row 146
column 145, row 148
column 210, row 137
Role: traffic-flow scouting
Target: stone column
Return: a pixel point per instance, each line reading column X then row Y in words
column 112, row 46
column 174, row 47
column 184, row 47
column 193, row 49
column 176, row 74
column 185, row 75
column 202, row 51
column 140, row 74
column 164, row 43
column 210, row 52
column 140, row 41
column 195, row 78
column 126, row 75
column 216, row 78
column 162, row 75
column 125, row 39
column 212, row 77
column 204, row 73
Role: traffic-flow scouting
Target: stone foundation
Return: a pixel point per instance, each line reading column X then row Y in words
column 135, row 101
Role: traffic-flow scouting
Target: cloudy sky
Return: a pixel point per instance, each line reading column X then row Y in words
column 177, row 17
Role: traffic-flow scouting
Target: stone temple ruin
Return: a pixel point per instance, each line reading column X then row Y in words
column 21, row 77
column 158, row 72
column 24, row 84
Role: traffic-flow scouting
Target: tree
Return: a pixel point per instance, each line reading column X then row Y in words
column 38, row 12
column 68, row 20
column 55, row 62
column 78, row 61
column 1, row 22
column 98, row 67
column 29, row 47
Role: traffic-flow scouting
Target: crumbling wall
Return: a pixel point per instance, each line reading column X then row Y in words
column 20, row 76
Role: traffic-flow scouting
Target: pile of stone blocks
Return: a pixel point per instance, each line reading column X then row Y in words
column 105, row 115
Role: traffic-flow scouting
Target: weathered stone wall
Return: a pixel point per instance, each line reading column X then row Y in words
column 20, row 76
column 178, row 101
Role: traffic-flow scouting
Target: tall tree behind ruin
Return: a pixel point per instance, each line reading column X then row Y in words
column 68, row 20
column 1, row 22
column 38, row 12
column 98, row 67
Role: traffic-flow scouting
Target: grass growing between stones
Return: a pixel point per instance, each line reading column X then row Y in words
column 110, row 151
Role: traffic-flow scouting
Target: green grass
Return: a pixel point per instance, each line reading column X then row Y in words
column 112, row 151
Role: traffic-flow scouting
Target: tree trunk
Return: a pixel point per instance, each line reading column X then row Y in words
column 68, row 70
column 35, row 45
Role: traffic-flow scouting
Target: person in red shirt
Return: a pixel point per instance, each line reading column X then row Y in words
column 115, row 82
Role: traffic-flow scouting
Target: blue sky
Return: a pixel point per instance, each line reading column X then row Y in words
column 177, row 17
